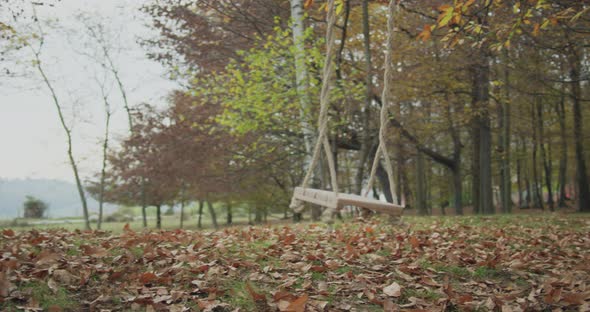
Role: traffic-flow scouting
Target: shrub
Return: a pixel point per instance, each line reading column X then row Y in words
column 34, row 208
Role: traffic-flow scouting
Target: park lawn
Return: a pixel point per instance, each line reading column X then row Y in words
column 513, row 263
column 168, row 223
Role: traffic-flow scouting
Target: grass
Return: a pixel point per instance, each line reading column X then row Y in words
column 168, row 223
column 487, row 273
column 44, row 297
column 237, row 295
column 420, row 293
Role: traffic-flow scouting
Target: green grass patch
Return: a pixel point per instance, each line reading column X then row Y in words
column 428, row 295
column 237, row 295
column 487, row 273
column 318, row 276
column 46, row 298
column 452, row 270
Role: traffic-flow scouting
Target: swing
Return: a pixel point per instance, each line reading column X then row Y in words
column 334, row 200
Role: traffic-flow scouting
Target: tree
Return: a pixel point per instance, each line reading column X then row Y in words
column 35, row 45
column 34, row 208
column 140, row 171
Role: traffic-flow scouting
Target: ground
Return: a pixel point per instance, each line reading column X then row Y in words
column 508, row 263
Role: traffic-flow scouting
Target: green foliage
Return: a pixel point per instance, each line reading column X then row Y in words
column 258, row 92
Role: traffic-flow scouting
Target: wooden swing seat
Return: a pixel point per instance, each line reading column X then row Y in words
column 330, row 200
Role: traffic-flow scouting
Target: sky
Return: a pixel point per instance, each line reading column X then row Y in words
column 32, row 141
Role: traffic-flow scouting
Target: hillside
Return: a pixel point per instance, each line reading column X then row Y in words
column 61, row 196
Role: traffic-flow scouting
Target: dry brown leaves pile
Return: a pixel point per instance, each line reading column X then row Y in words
column 526, row 263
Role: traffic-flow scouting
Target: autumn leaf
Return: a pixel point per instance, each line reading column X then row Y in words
column 256, row 296
column 426, row 33
column 446, row 16
column 536, row 29
column 8, row 233
column 307, row 4
column 393, row 290
column 4, row 285
column 414, row 242
column 298, row 305
column 148, row 277
column 46, row 257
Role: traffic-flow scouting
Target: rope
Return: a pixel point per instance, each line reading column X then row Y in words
column 322, row 138
column 385, row 96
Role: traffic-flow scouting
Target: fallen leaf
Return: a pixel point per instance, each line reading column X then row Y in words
column 414, row 242
column 298, row 305
column 147, row 278
column 393, row 290
column 4, row 285
column 573, row 298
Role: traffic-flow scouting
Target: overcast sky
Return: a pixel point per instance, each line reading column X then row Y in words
column 33, row 144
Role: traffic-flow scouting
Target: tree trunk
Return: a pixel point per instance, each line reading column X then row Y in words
column 229, row 213
column 257, row 214
column 199, row 222
column 420, row 185
column 504, row 143
column 143, row 203
column 560, row 108
column 583, row 189
column 458, row 190
column 158, row 217
column 482, row 174
column 538, row 199
column 213, row 214
column 519, row 182
column 301, row 78
column 545, row 159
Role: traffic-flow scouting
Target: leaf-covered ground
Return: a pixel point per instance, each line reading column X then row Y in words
column 516, row 263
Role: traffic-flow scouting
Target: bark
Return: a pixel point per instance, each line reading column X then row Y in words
column 301, row 78
column 458, row 191
column 158, row 217
column 181, row 214
column 229, row 218
column 400, row 168
column 527, row 179
column 519, row 182
column 407, row 189
column 301, row 75
column 545, row 159
column 583, row 189
column 199, row 222
column 482, row 170
column 421, row 185
column 538, row 199
column 504, row 143
column 182, row 204
column 560, row 108
column 213, row 214
column 258, row 214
